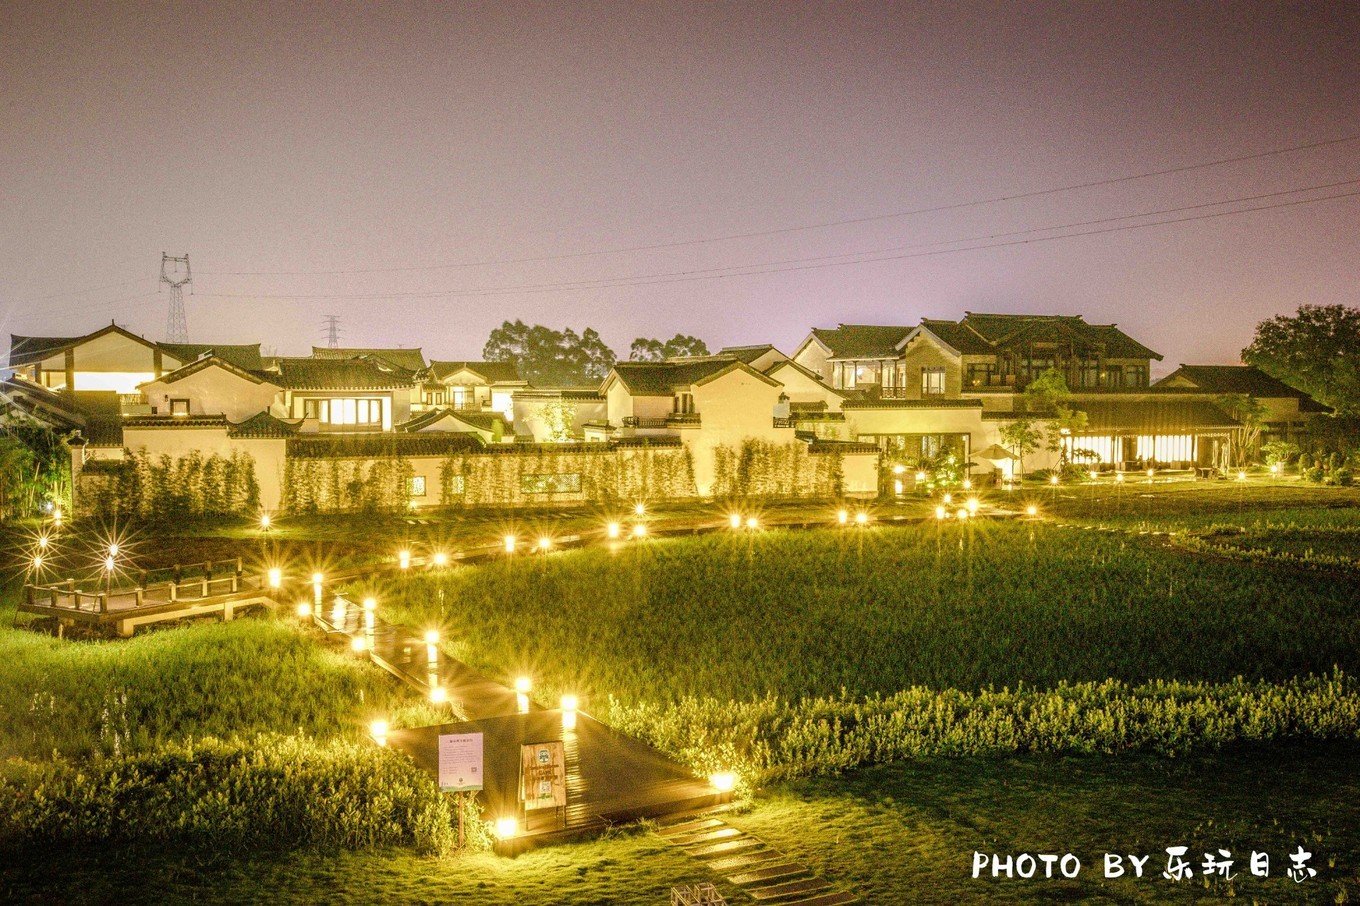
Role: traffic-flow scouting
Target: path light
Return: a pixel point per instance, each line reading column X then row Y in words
column 972, row 506
column 1275, row 469
column 948, row 498
column 569, row 704
column 962, row 513
column 108, row 564
column 968, row 484
column 899, row 469
column 37, row 562
column 317, row 578
column 522, row 694
column 370, row 605
column 432, row 637
column 611, row 530
column 265, row 521
column 506, row 828
column 378, row 730
column 1241, row 476
column 441, row 558
column 723, row 782
column 404, row 559
column 1151, row 472
column 438, row 695
column 920, row 476
column 861, row 518
column 940, row 512
column 275, row 577
column 113, row 549
column 1031, row 510
column 509, row 541
column 544, row 543
column 897, row 487
column 640, row 510
column 522, row 685
column 639, row 531
column 734, row 520
column 1119, row 477
column 1053, row 479
column 842, row 517
column 1093, row 474
column 304, row 610
column 42, row 542
column 752, row 522
column 56, row 517
column 358, row 644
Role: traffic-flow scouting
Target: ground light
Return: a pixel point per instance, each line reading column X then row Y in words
column 611, row 530
column 972, row 506
column 897, row 487
column 42, row 540
column 962, row 514
column 509, row 541
column 370, row 604
column 842, row 517
column 404, row 559
column 522, row 694
column 432, row 637
column 441, row 558
column 1241, row 476
column 378, row 730
column 968, row 484
column 752, row 522
column 569, row 705
column 640, row 509
column 940, row 512
column 861, row 518
column 275, row 577
column 1119, row 477
column 1093, row 474
column 948, row 498
column 920, row 476
column 438, row 695
column 265, row 521
column 639, row 531
column 544, row 543
column 113, row 549
column 304, row 609
column 1053, row 479
column 506, row 828
column 37, row 562
column 734, row 520
column 723, row 782
column 1275, row 469
column 1031, row 510
column 357, row 643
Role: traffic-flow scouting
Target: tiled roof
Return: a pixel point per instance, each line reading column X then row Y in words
column 27, row 350
column 664, row 378
column 1231, row 379
column 873, row 402
column 327, row 374
column 243, row 356
column 1167, row 416
column 367, row 446
column 861, row 341
column 483, row 421
column 491, row 372
column 410, row 359
column 1001, row 331
column 262, row 424
column 212, row 360
column 747, row 354
column 966, row 341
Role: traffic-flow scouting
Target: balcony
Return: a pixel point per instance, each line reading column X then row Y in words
column 661, row 422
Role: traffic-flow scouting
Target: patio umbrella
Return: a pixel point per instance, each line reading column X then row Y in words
column 995, row 453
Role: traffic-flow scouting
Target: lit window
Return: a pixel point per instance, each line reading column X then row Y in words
column 416, row 486
column 179, row 407
column 932, row 381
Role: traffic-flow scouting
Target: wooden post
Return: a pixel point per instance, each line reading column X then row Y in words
column 174, row 590
column 205, row 587
column 235, row 582
column 104, row 602
column 140, row 593
column 53, row 590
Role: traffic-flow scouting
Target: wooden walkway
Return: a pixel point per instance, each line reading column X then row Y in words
column 124, row 609
column 611, row 778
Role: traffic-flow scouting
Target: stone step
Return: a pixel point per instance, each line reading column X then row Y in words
column 725, row 848
column 766, row 874
column 708, row 836
column 689, row 827
column 838, row 898
column 755, row 859
column 790, row 889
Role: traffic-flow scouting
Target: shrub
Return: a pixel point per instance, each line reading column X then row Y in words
column 1305, row 462
column 271, row 791
column 1314, row 474
column 1344, row 476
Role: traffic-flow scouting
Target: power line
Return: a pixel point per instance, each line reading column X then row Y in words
column 953, row 206
column 800, row 264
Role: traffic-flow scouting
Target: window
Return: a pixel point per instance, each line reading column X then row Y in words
column 1032, row 368
column 434, row 397
column 684, row 403
column 454, row 486
column 1136, row 375
column 343, row 411
column 550, row 484
column 932, row 381
column 318, row 409
column 986, row 374
column 1088, row 374
column 416, row 486
column 179, row 407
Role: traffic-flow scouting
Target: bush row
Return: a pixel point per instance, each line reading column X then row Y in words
column 276, row 791
column 768, row 739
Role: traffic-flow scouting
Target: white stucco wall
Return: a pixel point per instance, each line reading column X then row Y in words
column 803, row 389
column 213, row 391
column 731, row 408
column 175, row 442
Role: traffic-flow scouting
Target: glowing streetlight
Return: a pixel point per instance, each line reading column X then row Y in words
column 275, row 577
column 752, row 522
column 404, row 559
column 639, row 531
column 842, row 517
column 611, row 530
column 509, row 541
column 734, row 520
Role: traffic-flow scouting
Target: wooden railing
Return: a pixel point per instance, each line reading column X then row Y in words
column 65, row 595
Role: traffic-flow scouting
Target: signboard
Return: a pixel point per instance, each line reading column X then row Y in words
column 543, row 775
column 460, row 762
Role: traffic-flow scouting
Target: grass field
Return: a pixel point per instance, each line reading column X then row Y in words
column 876, row 611
column 733, row 617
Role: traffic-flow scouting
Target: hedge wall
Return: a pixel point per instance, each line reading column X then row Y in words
column 339, row 485
column 162, row 487
column 760, row 468
column 606, row 477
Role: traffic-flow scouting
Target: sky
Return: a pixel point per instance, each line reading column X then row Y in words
column 741, row 172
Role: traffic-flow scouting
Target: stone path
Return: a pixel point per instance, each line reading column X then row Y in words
column 764, row 874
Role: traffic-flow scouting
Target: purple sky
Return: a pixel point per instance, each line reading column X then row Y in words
column 425, row 150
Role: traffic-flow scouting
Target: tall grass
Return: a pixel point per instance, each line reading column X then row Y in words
column 795, row 615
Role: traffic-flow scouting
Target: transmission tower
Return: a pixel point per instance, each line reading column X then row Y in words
column 332, row 326
column 175, row 274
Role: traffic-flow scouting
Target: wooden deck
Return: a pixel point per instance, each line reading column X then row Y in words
column 124, row 609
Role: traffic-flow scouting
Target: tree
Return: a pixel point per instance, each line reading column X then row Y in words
column 547, row 357
column 1048, row 394
column 645, row 350
column 1243, row 441
column 1316, row 350
column 1023, row 438
column 557, row 417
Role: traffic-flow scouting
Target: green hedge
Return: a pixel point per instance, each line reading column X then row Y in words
column 770, row 739
column 607, row 477
column 346, row 485
column 272, row 791
column 164, row 487
column 761, row 468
